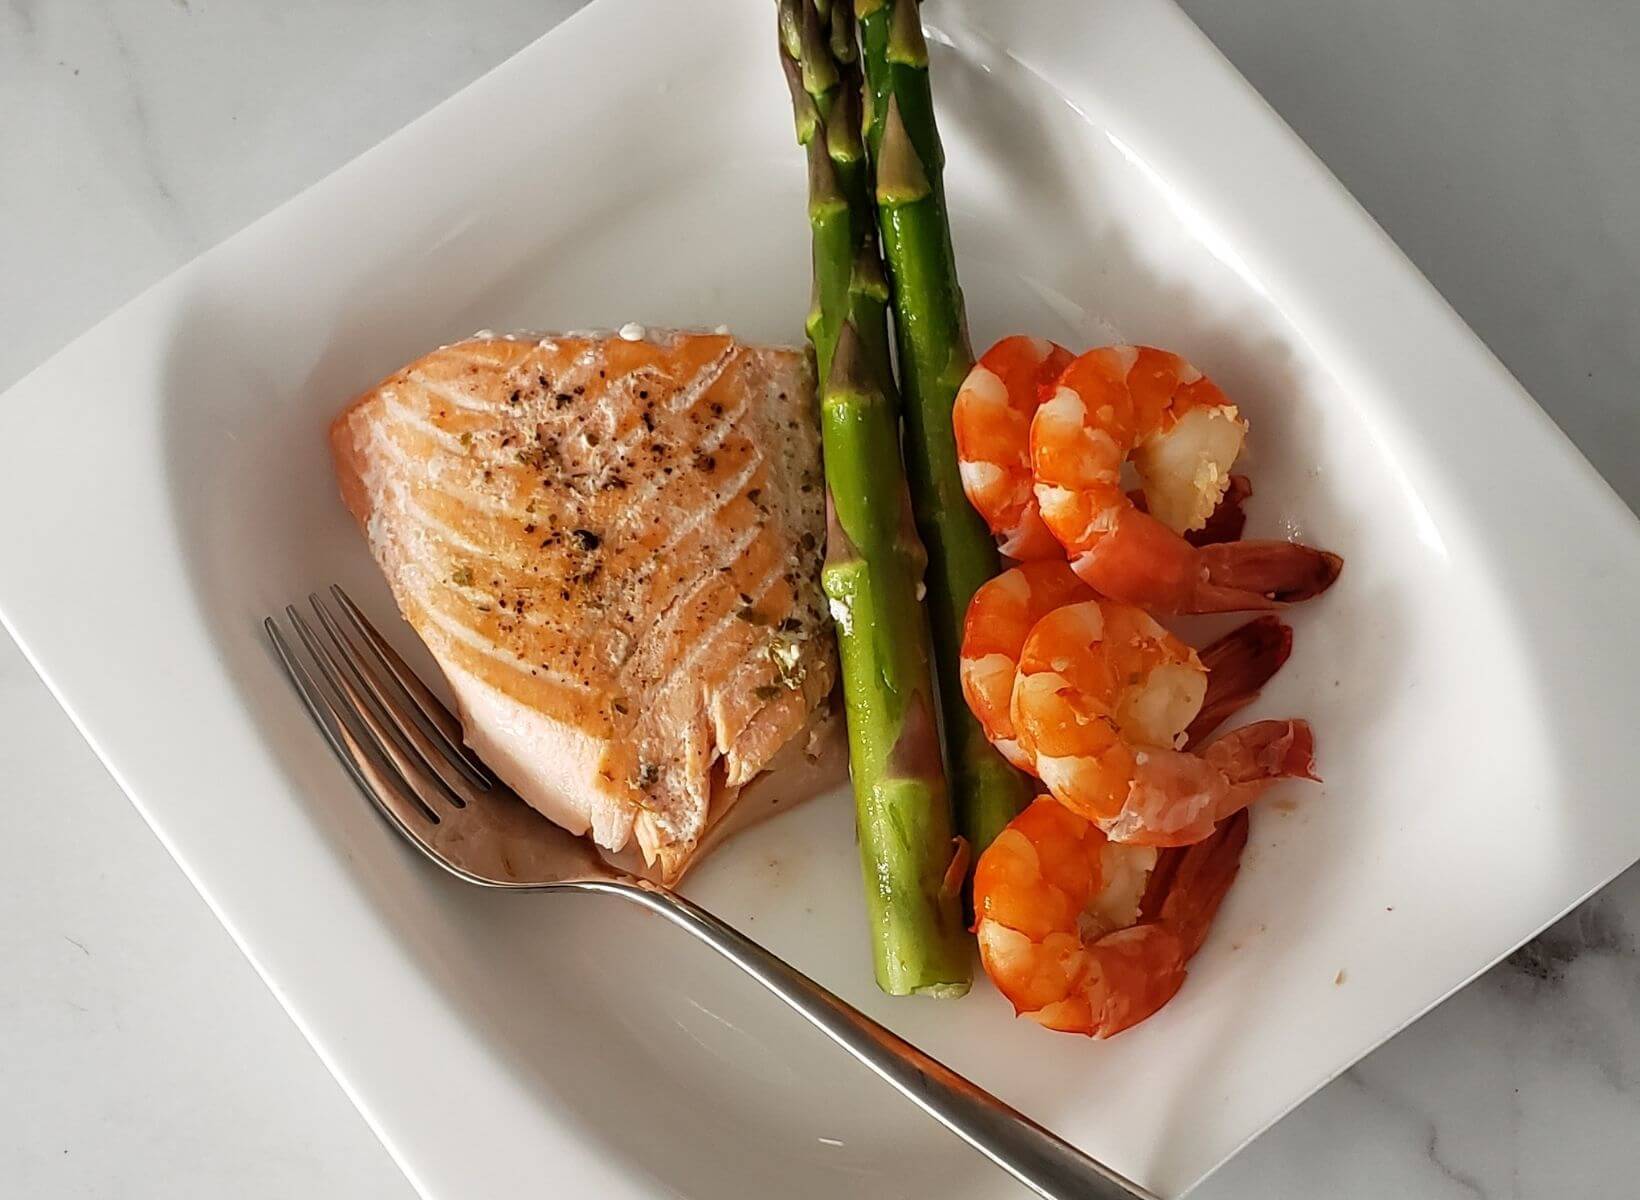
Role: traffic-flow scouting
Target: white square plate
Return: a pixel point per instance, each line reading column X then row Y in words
column 1472, row 677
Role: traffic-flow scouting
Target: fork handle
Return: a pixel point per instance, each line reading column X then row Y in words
column 1040, row 1160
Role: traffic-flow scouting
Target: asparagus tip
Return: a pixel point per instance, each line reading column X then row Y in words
column 867, row 278
column 843, row 126
column 790, row 24
column 825, row 193
column 901, row 178
column 840, row 548
column 916, row 752
column 842, row 33
column 819, row 68
column 849, row 371
column 804, row 114
column 814, row 302
column 906, row 45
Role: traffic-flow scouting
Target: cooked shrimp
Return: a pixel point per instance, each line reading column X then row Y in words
column 992, row 419
column 1003, row 612
column 1057, row 903
column 1182, row 433
column 1000, row 617
column 1104, row 695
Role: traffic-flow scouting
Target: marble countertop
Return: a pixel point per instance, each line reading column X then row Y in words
column 141, row 1055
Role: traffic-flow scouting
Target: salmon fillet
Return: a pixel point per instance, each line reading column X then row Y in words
column 611, row 545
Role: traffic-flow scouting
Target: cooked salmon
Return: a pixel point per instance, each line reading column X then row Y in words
column 611, row 545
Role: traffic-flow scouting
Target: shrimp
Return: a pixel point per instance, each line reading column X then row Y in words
column 1000, row 617
column 1182, row 434
column 1102, row 698
column 1003, row 612
column 992, row 419
column 1058, row 918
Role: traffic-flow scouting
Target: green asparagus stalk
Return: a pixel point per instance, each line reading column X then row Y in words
column 874, row 560
column 935, row 358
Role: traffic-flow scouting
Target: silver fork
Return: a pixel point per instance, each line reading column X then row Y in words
column 404, row 750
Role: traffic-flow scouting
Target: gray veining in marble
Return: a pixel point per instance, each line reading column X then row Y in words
column 1495, row 139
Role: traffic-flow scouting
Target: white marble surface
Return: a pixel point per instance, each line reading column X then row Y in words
column 141, row 1057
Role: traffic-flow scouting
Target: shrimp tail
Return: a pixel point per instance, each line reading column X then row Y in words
column 1262, row 574
column 1170, row 866
column 1265, row 751
column 1141, row 561
column 1160, row 882
column 1174, row 921
column 1141, row 968
column 1200, row 879
column 1238, row 665
column 1257, row 755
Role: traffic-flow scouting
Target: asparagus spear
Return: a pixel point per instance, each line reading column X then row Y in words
column 826, row 98
column 874, row 561
column 935, row 357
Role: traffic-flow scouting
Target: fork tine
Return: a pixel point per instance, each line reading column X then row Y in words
column 402, row 808
column 408, row 730
column 440, row 721
column 425, row 786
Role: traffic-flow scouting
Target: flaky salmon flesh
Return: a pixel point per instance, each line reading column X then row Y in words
column 611, row 545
